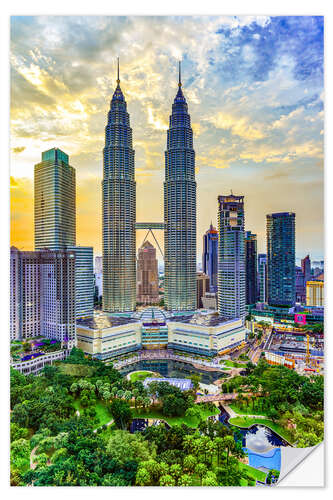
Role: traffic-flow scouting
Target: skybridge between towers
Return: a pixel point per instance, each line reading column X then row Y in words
column 150, row 226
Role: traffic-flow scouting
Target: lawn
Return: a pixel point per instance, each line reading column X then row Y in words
column 189, row 421
column 255, row 473
column 103, row 414
column 141, row 375
column 233, row 364
column 248, row 410
column 248, row 421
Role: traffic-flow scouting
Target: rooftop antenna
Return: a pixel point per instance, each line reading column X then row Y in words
column 180, row 76
column 231, row 192
column 118, row 81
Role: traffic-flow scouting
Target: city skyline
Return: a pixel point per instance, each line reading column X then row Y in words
column 249, row 89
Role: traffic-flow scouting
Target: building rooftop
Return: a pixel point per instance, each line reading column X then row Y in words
column 184, row 384
column 102, row 321
column 201, row 318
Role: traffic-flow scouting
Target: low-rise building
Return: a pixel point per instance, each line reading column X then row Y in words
column 105, row 337
column 214, row 337
column 38, row 361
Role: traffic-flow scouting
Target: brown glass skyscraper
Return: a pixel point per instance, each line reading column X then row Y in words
column 147, row 275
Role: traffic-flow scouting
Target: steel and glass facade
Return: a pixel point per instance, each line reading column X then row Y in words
column 250, row 267
column 231, row 274
column 180, row 210
column 54, row 201
column 280, row 229
column 210, row 257
column 262, row 277
column 84, row 281
column 119, row 210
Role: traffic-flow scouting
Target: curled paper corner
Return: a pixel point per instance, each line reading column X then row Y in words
column 292, row 458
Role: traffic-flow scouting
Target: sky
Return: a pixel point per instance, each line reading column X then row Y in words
column 255, row 91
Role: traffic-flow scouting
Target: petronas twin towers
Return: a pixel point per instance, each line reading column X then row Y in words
column 119, row 210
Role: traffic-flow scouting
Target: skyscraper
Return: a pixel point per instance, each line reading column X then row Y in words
column 231, row 266
column 251, row 267
column 180, row 210
column 119, row 209
column 300, row 288
column 54, row 201
column 42, row 295
column 84, row 281
column 55, row 221
column 210, row 256
column 306, row 269
column 147, row 275
column 281, row 258
column 262, row 277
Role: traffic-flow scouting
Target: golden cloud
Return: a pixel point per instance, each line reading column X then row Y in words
column 237, row 126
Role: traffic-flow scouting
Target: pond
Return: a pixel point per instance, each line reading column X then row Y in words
column 173, row 369
column 261, row 444
column 140, row 424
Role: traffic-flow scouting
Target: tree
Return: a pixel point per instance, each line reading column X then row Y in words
column 209, row 479
column 175, row 471
column 200, row 470
column 127, row 395
column 193, row 412
column 185, row 480
column 123, row 446
column 229, row 445
column 120, row 394
column 167, row 480
column 189, row 463
column 143, row 477
column 121, row 412
column 219, row 447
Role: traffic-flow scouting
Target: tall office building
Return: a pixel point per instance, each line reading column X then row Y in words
column 306, row 269
column 300, row 288
column 262, row 277
column 55, row 221
column 281, row 258
column 180, row 210
column 250, row 268
column 42, row 295
column 147, row 275
column 210, row 256
column 119, row 209
column 54, row 201
column 231, row 267
column 84, row 281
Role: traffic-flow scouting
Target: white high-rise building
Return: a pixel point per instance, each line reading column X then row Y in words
column 231, row 267
column 42, row 299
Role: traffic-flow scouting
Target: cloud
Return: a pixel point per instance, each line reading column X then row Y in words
column 238, row 126
column 18, row 149
column 254, row 87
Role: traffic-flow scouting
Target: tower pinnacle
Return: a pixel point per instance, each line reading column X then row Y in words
column 179, row 78
column 118, row 81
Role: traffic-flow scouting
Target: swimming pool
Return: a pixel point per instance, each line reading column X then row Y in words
column 268, row 460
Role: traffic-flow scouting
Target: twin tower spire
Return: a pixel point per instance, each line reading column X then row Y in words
column 179, row 73
column 119, row 209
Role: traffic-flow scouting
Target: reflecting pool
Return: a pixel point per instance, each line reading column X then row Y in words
column 173, row 369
